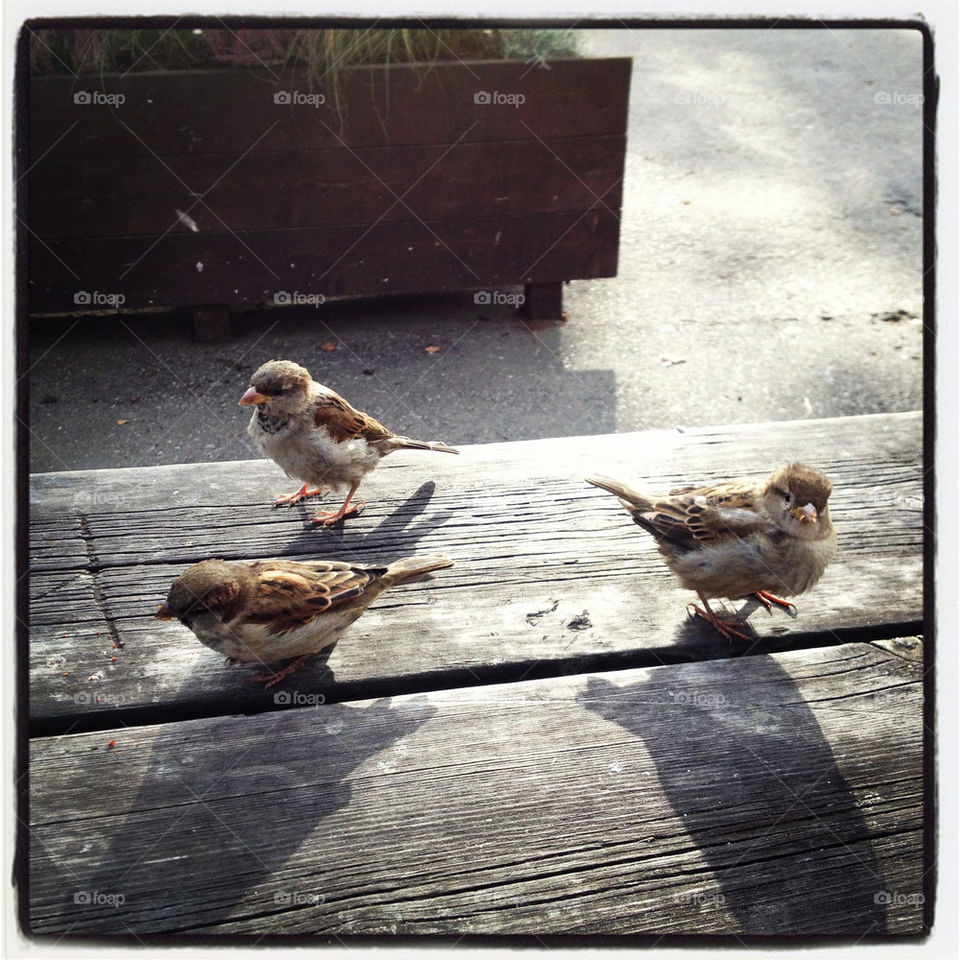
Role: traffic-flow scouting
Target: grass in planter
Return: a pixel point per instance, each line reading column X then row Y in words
column 317, row 52
column 318, row 55
column 115, row 51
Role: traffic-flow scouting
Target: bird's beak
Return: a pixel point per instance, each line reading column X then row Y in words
column 251, row 397
column 807, row 514
column 163, row 613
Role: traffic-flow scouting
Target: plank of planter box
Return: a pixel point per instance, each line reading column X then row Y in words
column 549, row 571
column 132, row 196
column 253, row 266
column 229, row 112
column 768, row 795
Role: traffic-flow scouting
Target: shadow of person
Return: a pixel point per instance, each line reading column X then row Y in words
column 745, row 768
column 221, row 805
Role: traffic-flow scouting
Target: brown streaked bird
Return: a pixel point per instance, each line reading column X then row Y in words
column 316, row 437
column 740, row 537
column 264, row 611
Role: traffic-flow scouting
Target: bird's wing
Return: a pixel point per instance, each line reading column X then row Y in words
column 692, row 516
column 343, row 422
column 290, row 594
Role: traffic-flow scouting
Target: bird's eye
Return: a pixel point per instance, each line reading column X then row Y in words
column 786, row 496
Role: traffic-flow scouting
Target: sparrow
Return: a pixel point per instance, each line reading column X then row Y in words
column 740, row 537
column 268, row 610
column 315, row 436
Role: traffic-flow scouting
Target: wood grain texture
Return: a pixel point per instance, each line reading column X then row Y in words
column 135, row 196
column 765, row 795
column 252, row 266
column 551, row 576
column 168, row 114
column 199, row 188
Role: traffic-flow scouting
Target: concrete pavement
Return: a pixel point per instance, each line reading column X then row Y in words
column 770, row 269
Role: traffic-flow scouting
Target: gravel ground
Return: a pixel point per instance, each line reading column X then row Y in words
column 770, row 269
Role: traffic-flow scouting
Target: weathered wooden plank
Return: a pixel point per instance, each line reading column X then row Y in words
column 228, row 111
column 254, row 266
column 766, row 795
column 129, row 197
column 549, row 574
column 57, row 543
column 853, row 446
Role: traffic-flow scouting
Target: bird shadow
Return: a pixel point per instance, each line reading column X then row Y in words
column 699, row 639
column 400, row 530
column 749, row 775
column 219, row 811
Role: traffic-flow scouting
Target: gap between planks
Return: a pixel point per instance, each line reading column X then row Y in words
column 251, row 702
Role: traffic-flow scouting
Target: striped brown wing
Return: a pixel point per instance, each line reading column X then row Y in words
column 694, row 516
column 345, row 423
column 290, row 594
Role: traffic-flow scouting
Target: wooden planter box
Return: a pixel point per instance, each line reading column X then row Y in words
column 225, row 187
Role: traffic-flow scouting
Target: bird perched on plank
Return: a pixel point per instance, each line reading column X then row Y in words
column 316, row 437
column 269, row 610
column 740, row 537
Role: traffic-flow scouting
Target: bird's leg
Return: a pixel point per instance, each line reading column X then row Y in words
column 721, row 625
column 346, row 510
column 291, row 498
column 272, row 678
column 768, row 600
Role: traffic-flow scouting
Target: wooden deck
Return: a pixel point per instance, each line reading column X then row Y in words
column 536, row 741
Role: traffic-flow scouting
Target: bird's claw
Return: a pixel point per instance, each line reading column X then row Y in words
column 270, row 679
column 720, row 625
column 329, row 519
column 768, row 600
column 291, row 498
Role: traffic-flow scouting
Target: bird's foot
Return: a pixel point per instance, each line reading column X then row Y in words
column 291, row 498
column 768, row 600
column 269, row 679
column 328, row 519
column 717, row 623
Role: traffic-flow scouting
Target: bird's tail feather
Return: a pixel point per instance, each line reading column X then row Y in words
column 402, row 570
column 438, row 445
column 628, row 496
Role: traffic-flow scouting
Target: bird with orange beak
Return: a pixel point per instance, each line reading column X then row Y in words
column 316, row 437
